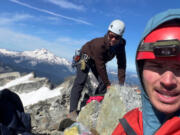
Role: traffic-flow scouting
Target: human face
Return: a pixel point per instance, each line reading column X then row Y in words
column 161, row 79
column 113, row 38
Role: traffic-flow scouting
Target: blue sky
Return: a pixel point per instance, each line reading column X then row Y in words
column 62, row 26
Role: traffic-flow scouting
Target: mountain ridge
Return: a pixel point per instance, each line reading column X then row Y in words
column 45, row 64
column 39, row 54
column 41, row 62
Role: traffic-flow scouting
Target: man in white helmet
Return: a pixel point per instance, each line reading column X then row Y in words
column 97, row 53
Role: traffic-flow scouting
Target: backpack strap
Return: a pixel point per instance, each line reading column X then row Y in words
column 127, row 128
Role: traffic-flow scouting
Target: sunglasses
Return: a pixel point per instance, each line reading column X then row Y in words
column 114, row 36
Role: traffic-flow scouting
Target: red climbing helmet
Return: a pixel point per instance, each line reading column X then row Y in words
column 161, row 43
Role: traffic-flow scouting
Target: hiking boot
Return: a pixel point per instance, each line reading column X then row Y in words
column 68, row 120
column 65, row 123
column 72, row 115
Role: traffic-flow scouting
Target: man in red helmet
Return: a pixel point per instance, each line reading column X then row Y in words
column 158, row 66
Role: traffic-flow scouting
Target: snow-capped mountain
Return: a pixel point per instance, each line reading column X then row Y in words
column 38, row 54
column 40, row 61
column 46, row 64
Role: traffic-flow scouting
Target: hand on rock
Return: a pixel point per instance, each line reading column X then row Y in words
column 108, row 87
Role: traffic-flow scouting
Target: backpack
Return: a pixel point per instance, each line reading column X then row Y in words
column 13, row 119
column 76, row 58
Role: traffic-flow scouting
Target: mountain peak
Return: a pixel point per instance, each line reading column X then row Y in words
column 38, row 54
column 42, row 50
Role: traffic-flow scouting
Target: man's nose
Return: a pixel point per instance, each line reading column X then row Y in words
column 168, row 80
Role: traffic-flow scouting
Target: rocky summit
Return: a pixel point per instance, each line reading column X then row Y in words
column 49, row 105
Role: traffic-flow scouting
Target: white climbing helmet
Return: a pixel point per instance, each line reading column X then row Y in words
column 117, row 27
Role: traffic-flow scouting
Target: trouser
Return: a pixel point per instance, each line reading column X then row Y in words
column 80, row 80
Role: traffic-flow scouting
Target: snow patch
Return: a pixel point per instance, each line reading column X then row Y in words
column 39, row 95
column 17, row 81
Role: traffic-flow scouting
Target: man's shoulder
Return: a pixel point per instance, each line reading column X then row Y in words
column 98, row 42
column 95, row 44
column 136, row 112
